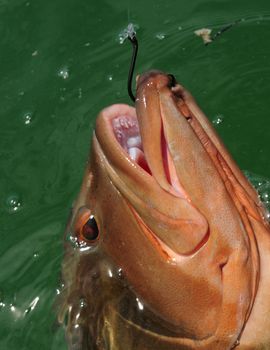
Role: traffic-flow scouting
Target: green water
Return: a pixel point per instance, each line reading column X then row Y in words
column 61, row 62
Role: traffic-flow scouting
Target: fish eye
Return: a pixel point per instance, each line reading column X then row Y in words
column 86, row 228
column 89, row 231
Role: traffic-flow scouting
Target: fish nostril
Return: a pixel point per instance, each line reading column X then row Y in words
column 172, row 78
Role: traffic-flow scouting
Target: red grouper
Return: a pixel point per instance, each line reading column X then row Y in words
column 171, row 246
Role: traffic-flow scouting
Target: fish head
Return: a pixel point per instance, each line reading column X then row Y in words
column 163, row 199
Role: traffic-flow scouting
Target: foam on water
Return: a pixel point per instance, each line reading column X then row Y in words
column 129, row 31
column 262, row 186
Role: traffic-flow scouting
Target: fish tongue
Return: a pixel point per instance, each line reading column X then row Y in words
column 137, row 155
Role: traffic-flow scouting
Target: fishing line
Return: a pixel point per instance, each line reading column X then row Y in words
column 128, row 11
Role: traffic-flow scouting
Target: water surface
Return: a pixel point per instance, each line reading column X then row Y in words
column 61, row 62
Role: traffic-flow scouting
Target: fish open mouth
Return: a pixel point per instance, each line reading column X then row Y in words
column 146, row 161
column 142, row 134
column 127, row 132
column 166, row 160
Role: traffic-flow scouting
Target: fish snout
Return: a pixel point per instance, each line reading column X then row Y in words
column 156, row 78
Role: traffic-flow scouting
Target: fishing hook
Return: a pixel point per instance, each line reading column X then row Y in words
column 132, row 38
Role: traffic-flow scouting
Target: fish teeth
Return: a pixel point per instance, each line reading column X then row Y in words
column 135, row 141
column 134, row 153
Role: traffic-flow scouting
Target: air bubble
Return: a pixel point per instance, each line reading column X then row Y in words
column 120, row 273
column 28, row 118
column 14, row 203
column 265, row 197
column 60, row 289
column 63, row 73
column 16, row 312
column 218, row 119
column 160, row 36
column 264, row 194
column 83, row 303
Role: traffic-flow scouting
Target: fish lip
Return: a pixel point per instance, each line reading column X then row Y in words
column 144, row 78
column 160, row 78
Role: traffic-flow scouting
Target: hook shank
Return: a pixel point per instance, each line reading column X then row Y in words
column 134, row 43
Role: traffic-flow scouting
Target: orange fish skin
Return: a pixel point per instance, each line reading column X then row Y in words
column 189, row 232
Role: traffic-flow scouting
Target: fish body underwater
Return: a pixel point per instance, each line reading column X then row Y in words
column 171, row 246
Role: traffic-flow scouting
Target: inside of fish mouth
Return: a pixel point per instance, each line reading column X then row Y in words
column 127, row 132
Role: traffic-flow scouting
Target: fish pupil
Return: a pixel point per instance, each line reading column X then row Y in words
column 90, row 229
